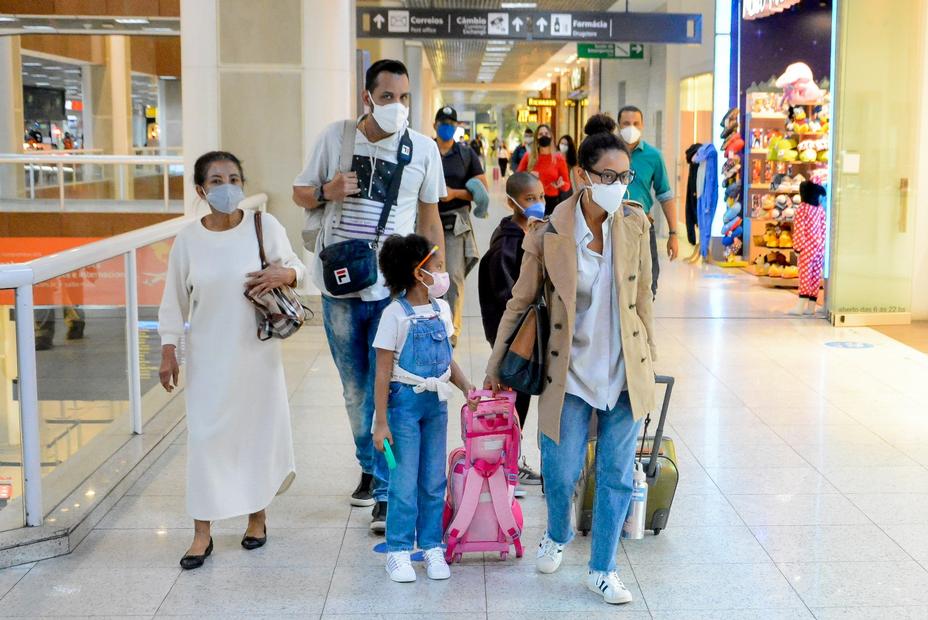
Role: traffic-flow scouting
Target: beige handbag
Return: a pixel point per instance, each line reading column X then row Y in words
column 279, row 312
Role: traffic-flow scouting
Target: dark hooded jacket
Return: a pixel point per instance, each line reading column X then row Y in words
column 498, row 272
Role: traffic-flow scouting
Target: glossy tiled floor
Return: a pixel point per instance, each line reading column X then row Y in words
column 803, row 493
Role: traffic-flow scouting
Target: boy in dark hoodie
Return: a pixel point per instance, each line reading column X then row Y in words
column 499, row 270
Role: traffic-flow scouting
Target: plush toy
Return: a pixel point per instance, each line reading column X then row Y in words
column 796, row 200
column 786, row 239
column 807, row 150
column 788, row 213
column 768, row 202
column 800, row 120
column 727, row 241
column 799, row 86
column 790, row 272
column 775, row 271
column 732, row 212
column 782, row 201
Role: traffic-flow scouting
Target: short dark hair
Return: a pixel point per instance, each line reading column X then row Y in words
column 385, row 65
column 593, row 147
column 600, row 123
column 520, row 182
column 204, row 161
column 528, row 130
column 398, row 259
column 631, row 108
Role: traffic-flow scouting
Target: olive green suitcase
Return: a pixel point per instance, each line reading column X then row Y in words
column 661, row 472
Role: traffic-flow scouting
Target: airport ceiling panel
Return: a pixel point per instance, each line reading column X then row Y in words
column 461, row 60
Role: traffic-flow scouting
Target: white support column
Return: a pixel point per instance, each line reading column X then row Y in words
column 87, row 100
column 418, row 104
column 199, row 32
column 11, row 115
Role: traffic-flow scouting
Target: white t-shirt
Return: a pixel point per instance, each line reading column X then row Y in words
column 374, row 162
column 394, row 325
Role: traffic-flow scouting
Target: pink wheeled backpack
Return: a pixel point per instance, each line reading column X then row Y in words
column 481, row 512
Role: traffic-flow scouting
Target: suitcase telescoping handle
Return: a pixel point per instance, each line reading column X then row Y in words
column 659, row 432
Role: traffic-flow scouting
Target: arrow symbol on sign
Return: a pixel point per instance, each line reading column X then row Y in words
column 541, row 23
column 379, row 20
column 517, row 23
column 637, row 47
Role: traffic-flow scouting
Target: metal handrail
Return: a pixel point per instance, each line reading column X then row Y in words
column 23, row 276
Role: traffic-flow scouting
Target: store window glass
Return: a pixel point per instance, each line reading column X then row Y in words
column 877, row 106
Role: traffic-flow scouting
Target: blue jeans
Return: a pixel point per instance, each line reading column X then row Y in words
column 350, row 327
column 419, row 425
column 615, row 464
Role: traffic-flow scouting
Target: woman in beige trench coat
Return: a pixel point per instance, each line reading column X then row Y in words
column 593, row 262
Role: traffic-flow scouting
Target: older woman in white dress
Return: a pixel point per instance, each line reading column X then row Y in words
column 239, row 443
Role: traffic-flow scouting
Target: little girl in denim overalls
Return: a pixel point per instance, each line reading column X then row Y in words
column 414, row 368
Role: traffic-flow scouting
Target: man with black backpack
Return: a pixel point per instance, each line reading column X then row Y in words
column 366, row 179
column 461, row 164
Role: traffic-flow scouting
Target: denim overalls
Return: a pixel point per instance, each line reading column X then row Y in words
column 419, row 425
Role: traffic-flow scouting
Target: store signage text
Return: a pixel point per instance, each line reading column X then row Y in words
column 380, row 22
column 755, row 9
column 633, row 51
column 525, row 115
column 538, row 102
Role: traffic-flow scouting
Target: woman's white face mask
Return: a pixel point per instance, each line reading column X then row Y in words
column 608, row 197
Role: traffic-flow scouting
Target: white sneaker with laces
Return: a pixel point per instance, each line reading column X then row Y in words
column 399, row 567
column 609, row 586
column 549, row 555
column 435, row 564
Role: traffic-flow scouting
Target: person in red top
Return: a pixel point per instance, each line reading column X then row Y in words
column 549, row 166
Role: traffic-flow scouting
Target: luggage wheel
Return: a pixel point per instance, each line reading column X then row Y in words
column 657, row 531
column 584, row 532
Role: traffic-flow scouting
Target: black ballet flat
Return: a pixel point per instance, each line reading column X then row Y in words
column 253, row 542
column 189, row 562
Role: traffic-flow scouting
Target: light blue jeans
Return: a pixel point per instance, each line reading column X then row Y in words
column 562, row 462
column 419, row 425
column 350, row 327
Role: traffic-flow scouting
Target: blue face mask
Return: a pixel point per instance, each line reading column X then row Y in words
column 446, row 131
column 225, row 198
column 536, row 210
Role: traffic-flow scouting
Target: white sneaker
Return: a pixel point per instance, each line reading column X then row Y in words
column 399, row 567
column 609, row 586
column 435, row 564
column 549, row 555
column 520, row 491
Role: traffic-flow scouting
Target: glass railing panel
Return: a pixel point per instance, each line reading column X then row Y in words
column 82, row 377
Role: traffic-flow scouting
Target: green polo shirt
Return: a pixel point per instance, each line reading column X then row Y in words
column 650, row 173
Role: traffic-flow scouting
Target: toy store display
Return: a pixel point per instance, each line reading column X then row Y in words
column 733, row 147
column 787, row 132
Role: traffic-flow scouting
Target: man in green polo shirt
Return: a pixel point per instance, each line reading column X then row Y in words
column 650, row 175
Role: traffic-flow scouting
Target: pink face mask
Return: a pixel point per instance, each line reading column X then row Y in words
column 441, row 282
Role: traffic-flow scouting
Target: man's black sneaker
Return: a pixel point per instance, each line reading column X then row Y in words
column 379, row 518
column 362, row 496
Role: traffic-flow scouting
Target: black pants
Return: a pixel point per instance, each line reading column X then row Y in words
column 503, row 163
column 522, row 403
column 551, row 202
column 655, row 265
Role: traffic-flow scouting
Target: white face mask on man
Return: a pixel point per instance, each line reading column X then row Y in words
column 630, row 134
column 391, row 117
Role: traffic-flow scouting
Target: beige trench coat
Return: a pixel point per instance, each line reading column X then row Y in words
column 556, row 252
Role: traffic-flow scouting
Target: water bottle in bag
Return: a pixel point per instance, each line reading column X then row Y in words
column 637, row 509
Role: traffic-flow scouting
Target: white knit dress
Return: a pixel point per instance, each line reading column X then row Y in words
column 239, row 443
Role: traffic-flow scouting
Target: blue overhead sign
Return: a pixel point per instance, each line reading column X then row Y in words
column 383, row 22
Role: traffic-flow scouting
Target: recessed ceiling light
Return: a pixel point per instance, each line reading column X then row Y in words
column 518, row 5
column 160, row 29
column 42, row 84
column 7, row 18
column 131, row 20
column 32, row 64
column 37, row 27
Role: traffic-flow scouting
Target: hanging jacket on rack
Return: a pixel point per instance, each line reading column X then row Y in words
column 708, row 159
column 690, row 214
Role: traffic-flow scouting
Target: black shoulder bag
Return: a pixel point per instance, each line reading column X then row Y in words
column 523, row 365
column 351, row 266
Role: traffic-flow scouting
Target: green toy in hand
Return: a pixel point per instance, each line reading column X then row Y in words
column 388, row 454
